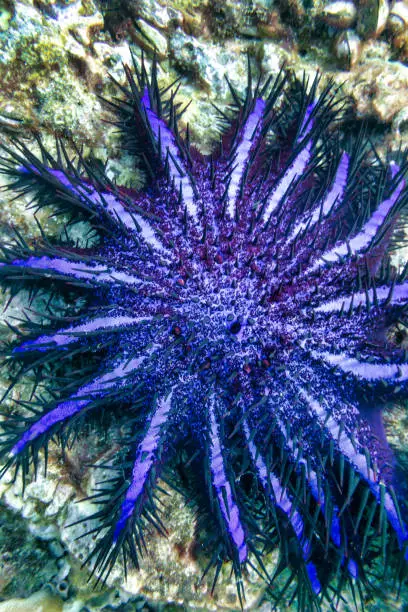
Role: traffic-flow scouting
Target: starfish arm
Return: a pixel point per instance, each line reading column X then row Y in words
column 358, row 460
column 77, row 402
column 64, row 337
column 393, row 373
column 280, row 498
column 295, row 168
column 314, row 485
column 170, row 153
column 64, row 269
column 332, row 200
column 249, row 136
column 222, row 486
column 394, row 295
column 369, row 233
column 144, row 462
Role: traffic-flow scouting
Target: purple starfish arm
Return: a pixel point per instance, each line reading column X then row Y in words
column 331, row 202
column 250, row 130
column 359, row 461
column 396, row 294
column 313, row 577
column 296, row 168
column 223, row 489
column 72, row 334
column 170, row 151
column 352, row 568
column 145, row 459
column 97, row 273
column 103, row 201
column 62, row 412
column 281, row 499
column 314, row 485
column 292, row 174
column 390, row 372
column 369, row 232
column 110, row 202
column 77, row 402
column 336, row 432
column 307, row 122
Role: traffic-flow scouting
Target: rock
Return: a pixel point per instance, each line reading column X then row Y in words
column 39, row 61
column 339, row 14
column 372, row 17
column 5, row 17
column 209, row 63
column 155, row 12
column 400, row 124
column 398, row 18
column 41, row 601
column 152, row 38
column 60, row 498
column 274, row 56
column 56, row 549
column 400, row 44
column 347, row 48
column 379, row 89
column 24, row 559
column 74, row 19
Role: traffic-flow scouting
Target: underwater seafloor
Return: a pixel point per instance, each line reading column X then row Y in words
column 55, row 58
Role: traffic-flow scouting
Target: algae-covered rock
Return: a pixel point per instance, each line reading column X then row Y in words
column 154, row 37
column 25, row 560
column 6, row 13
column 39, row 63
column 156, row 12
column 42, row 601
